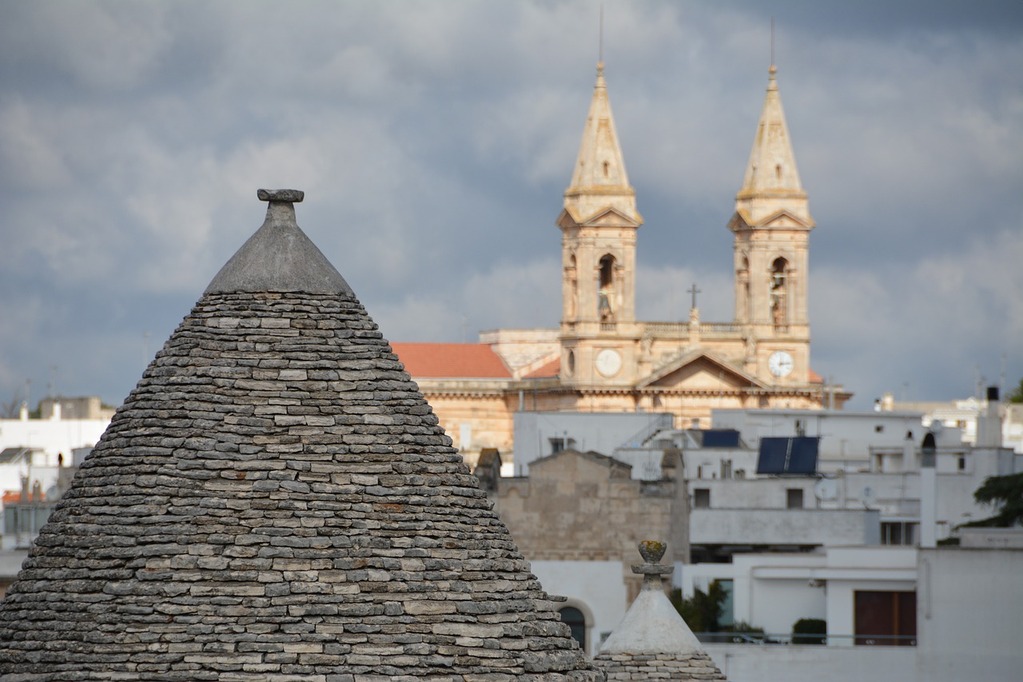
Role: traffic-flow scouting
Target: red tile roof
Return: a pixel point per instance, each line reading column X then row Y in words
column 451, row 360
column 551, row 369
column 815, row 378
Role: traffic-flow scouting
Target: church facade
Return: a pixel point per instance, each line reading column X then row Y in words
column 602, row 359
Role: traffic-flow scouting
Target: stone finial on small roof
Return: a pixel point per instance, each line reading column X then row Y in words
column 652, row 625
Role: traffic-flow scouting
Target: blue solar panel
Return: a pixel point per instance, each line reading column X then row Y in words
column 720, row 438
column 788, row 455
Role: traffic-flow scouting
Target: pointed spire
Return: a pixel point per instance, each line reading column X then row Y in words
column 772, row 181
column 599, row 180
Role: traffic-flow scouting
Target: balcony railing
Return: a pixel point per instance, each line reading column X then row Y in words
column 806, row 639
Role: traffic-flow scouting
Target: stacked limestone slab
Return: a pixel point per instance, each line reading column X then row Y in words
column 653, row 642
column 276, row 501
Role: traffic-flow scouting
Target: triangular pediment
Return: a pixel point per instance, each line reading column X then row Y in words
column 608, row 216
column 741, row 220
column 571, row 464
column 785, row 218
column 700, row 370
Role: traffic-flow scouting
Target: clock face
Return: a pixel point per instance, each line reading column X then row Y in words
column 608, row 362
column 780, row 363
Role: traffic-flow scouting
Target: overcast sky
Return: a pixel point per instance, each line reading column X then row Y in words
column 434, row 141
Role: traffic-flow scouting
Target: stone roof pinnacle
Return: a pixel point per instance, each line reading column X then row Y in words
column 279, row 256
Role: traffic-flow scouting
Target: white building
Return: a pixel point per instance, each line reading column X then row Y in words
column 37, row 459
column 961, row 609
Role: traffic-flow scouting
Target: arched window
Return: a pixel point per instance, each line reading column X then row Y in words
column 605, row 289
column 574, row 619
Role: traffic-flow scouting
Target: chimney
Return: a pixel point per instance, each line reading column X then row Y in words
column 989, row 423
column 928, row 492
column 908, row 452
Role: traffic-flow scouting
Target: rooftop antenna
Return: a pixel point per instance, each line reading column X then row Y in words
column 772, row 42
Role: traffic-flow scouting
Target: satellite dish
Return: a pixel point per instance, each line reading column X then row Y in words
column 868, row 496
column 826, row 489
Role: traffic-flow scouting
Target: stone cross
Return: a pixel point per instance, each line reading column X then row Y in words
column 693, row 290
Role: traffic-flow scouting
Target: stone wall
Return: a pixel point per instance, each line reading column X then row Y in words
column 584, row 506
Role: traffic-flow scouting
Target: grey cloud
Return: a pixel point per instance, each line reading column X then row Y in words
column 434, row 141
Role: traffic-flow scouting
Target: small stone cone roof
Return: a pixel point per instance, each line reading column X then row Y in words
column 276, row 501
column 653, row 641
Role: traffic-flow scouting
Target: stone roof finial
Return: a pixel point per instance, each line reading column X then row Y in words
column 291, row 196
column 653, row 573
column 279, row 256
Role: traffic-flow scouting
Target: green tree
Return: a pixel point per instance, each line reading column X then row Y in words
column 1017, row 395
column 1004, row 492
column 701, row 611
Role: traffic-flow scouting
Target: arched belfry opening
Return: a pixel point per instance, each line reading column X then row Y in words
column 779, row 291
column 606, row 289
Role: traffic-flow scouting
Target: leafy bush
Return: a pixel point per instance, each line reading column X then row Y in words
column 809, row 631
column 701, row 611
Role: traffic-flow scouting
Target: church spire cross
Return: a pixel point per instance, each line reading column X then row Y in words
column 693, row 290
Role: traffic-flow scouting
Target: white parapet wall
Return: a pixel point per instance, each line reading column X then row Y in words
column 597, row 588
column 802, row 663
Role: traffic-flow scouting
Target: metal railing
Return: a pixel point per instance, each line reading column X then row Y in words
column 804, row 639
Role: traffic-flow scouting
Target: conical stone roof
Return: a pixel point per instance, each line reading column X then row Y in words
column 276, row 501
column 653, row 641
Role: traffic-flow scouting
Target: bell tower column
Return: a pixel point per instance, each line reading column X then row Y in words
column 772, row 225
column 598, row 246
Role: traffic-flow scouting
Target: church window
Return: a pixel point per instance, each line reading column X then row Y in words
column 777, row 171
column 571, row 363
column 607, row 169
column 605, row 290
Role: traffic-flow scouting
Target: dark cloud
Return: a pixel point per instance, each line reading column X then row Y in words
column 434, row 141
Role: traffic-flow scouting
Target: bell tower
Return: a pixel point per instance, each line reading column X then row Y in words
column 772, row 225
column 598, row 252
